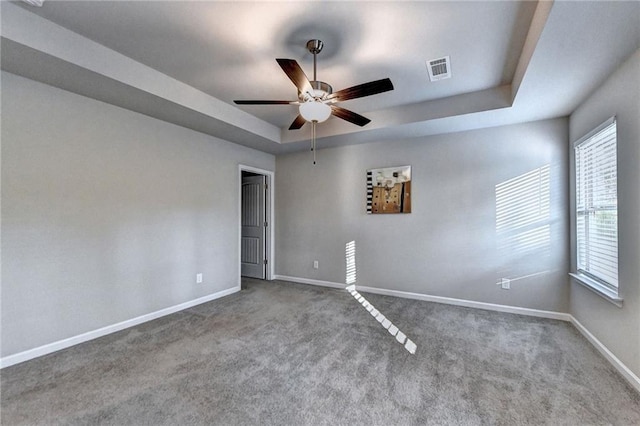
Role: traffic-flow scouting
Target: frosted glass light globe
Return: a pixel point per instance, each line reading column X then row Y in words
column 315, row 111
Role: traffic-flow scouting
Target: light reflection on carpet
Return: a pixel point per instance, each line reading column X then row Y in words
column 350, row 257
column 384, row 321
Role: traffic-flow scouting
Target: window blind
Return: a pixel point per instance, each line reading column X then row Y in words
column 597, row 205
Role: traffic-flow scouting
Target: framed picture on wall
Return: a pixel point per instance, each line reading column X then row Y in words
column 389, row 190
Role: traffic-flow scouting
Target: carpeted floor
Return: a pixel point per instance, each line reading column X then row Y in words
column 288, row 354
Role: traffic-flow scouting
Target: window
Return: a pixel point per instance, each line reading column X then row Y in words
column 597, row 209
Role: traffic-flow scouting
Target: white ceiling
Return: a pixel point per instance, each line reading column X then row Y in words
column 511, row 61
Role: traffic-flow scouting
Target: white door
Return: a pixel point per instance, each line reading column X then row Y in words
column 253, row 259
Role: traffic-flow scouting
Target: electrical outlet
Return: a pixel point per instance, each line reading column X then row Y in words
column 198, row 278
column 506, row 283
column 315, row 264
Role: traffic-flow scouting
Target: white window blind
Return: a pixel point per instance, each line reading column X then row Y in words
column 597, row 205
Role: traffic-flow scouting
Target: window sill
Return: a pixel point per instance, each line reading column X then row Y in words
column 597, row 288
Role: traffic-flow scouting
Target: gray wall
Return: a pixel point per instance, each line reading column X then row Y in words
column 107, row 214
column 617, row 328
column 449, row 245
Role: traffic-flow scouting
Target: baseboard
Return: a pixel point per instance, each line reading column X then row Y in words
column 468, row 303
column 633, row 380
column 309, row 281
column 90, row 335
column 62, row 344
column 609, row 356
column 437, row 299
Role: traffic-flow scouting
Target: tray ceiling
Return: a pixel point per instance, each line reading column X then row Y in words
column 508, row 60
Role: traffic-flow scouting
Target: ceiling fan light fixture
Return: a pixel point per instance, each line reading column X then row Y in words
column 315, row 111
column 316, row 99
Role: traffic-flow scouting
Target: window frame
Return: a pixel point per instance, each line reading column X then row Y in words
column 608, row 289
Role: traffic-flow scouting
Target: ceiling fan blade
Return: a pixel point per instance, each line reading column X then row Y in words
column 295, row 73
column 349, row 116
column 265, row 102
column 361, row 90
column 297, row 123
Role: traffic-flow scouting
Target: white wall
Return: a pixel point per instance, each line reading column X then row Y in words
column 617, row 328
column 107, row 214
column 449, row 245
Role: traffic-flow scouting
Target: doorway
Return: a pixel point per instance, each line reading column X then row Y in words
column 256, row 225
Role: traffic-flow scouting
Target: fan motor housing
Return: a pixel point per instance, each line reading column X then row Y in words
column 320, row 91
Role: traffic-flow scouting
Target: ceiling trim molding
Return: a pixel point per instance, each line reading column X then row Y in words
column 543, row 9
column 32, row 31
column 552, row 73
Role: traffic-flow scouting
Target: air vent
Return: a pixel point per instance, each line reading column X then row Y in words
column 439, row 69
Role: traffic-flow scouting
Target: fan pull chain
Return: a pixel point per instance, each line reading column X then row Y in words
column 313, row 141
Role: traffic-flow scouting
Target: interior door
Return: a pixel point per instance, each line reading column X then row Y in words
column 253, row 259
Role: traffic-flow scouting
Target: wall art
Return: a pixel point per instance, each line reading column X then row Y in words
column 389, row 190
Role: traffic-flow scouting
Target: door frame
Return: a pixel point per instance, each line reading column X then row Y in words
column 269, row 217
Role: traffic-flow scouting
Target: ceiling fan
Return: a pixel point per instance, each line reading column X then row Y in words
column 316, row 99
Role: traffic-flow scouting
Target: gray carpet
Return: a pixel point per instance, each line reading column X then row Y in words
column 288, row 354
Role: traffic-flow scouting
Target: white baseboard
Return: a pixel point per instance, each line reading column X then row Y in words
column 468, row 303
column 94, row 334
column 438, row 299
column 609, row 356
column 309, row 281
column 617, row 364
column 62, row 344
